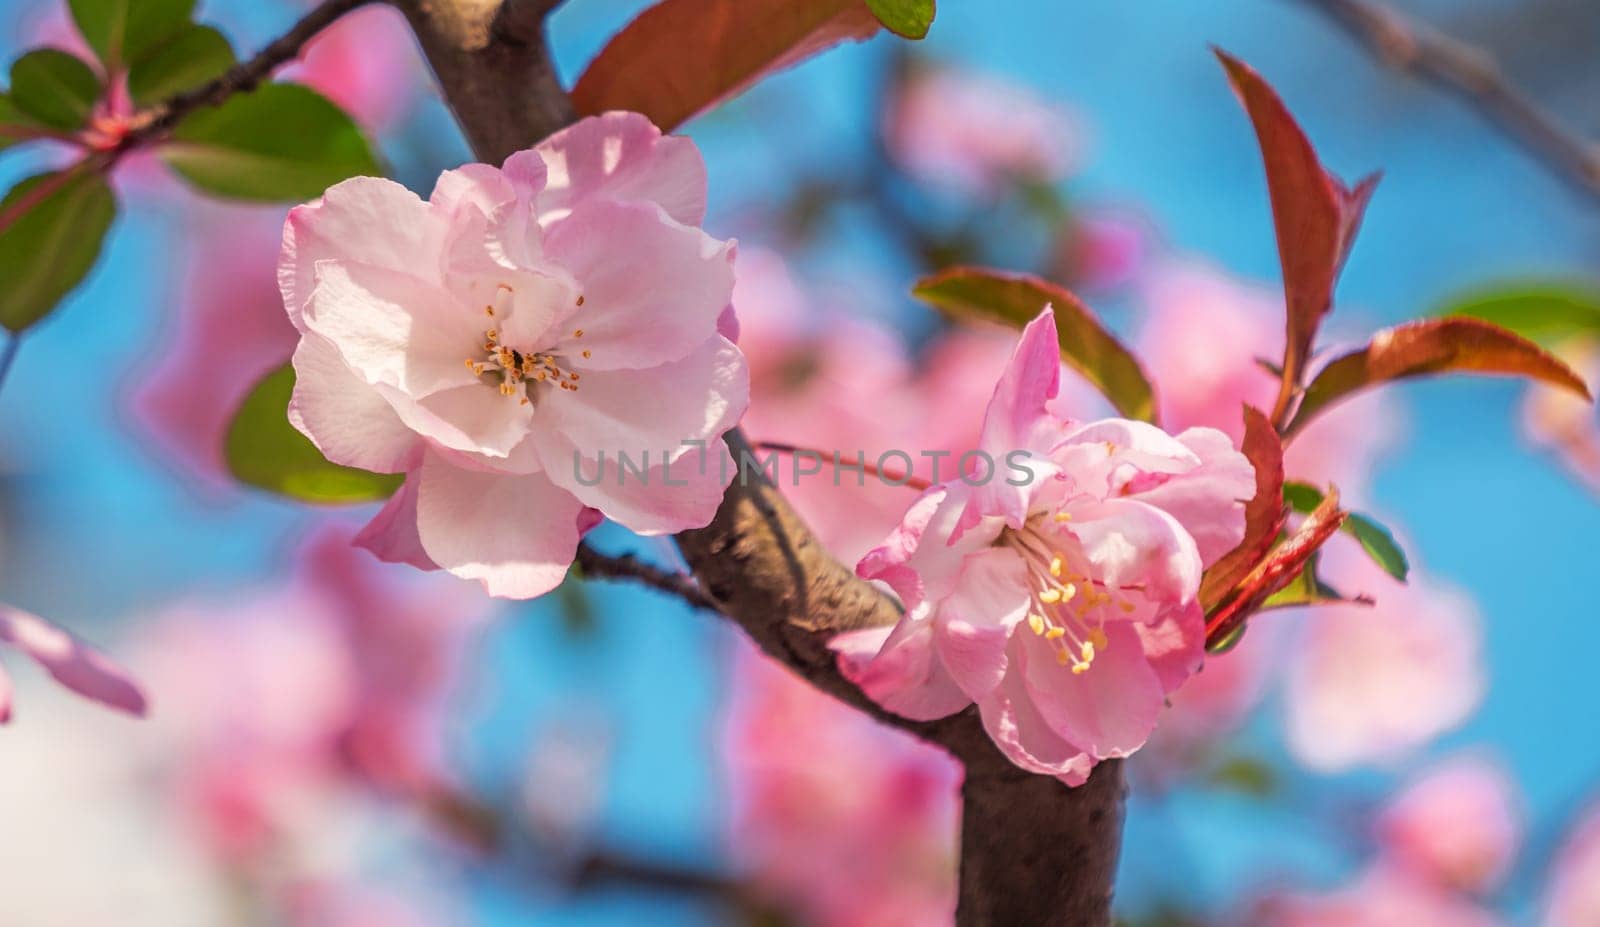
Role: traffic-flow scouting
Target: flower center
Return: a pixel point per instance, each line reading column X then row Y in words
column 521, row 371
column 1068, row 607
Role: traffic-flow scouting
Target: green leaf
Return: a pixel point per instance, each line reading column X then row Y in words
column 123, row 32
column 906, row 18
column 1374, row 538
column 265, row 451
column 1248, row 775
column 51, row 229
column 15, row 125
column 192, row 57
column 56, row 88
column 1542, row 312
column 1016, row 299
column 280, row 142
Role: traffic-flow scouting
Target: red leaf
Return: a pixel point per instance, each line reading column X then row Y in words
column 681, row 57
column 1279, row 569
column 1432, row 346
column 1263, row 515
column 1316, row 217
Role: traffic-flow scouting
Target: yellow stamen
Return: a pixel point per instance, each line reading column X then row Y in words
column 1055, row 634
column 1036, row 622
column 1050, row 596
column 1055, row 566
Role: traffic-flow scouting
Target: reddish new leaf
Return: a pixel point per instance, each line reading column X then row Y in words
column 1264, row 514
column 681, row 57
column 1015, row 299
column 1280, row 568
column 1433, row 346
column 1315, row 215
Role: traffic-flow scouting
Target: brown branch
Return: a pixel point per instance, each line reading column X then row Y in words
column 1034, row 851
column 596, row 565
column 241, row 78
column 1471, row 74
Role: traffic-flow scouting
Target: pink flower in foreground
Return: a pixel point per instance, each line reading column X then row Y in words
column 1459, row 825
column 68, row 660
column 1065, row 607
column 507, row 342
column 849, row 821
column 976, row 133
column 1371, row 685
column 1573, row 896
column 1380, row 898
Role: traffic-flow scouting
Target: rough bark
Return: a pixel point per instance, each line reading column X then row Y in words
column 1033, row 851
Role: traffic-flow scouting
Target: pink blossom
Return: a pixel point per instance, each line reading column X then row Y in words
column 1371, row 685
column 1213, row 704
column 976, row 133
column 68, row 660
column 1458, row 824
column 831, row 382
column 1382, row 897
column 851, row 822
column 1065, row 607
column 1202, row 338
column 1572, row 898
column 505, row 341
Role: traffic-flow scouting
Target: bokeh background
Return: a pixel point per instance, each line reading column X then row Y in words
column 598, row 719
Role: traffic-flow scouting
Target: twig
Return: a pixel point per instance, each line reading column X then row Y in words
column 8, row 355
column 240, row 78
column 1471, row 74
column 605, row 566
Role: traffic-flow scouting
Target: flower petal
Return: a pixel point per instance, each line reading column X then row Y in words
column 897, row 668
column 70, row 661
column 345, row 224
column 1016, row 420
column 516, row 535
column 624, row 157
column 653, row 290
column 696, row 398
column 1109, row 710
column 1131, row 544
column 1022, row 734
column 394, row 328
column 1208, row 500
column 973, row 626
column 392, row 535
column 348, row 421
column 643, row 494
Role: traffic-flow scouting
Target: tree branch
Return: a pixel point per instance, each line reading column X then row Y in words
column 242, row 77
column 1471, row 74
column 1034, row 851
column 596, row 565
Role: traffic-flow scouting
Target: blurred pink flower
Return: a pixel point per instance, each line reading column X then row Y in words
column 1097, row 551
column 1100, row 251
column 975, row 133
column 850, row 821
column 68, row 660
column 1213, row 704
column 373, row 652
column 1371, row 685
column 584, row 259
column 1572, row 898
column 1564, row 424
column 230, row 332
column 1201, row 338
column 1380, row 898
column 829, row 382
column 366, row 62
column 1458, row 824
